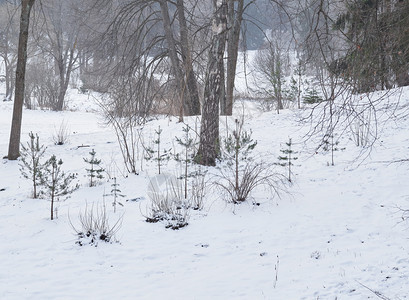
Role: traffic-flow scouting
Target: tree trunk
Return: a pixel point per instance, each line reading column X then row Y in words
column 234, row 20
column 209, row 147
column 9, row 79
column 65, row 75
column 15, row 134
column 173, row 56
column 192, row 107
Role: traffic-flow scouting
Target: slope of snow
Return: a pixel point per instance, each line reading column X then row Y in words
column 336, row 234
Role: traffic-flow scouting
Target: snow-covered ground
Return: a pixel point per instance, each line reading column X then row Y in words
column 337, row 234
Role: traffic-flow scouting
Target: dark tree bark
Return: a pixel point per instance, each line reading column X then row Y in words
column 209, row 147
column 235, row 18
column 65, row 66
column 173, row 56
column 15, row 134
column 192, row 107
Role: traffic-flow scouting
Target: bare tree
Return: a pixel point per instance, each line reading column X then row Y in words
column 8, row 44
column 15, row 135
column 56, row 34
column 157, row 29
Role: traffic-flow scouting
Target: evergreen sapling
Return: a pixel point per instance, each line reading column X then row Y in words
column 312, row 96
column 238, row 147
column 95, row 170
column 287, row 158
column 115, row 193
column 187, row 143
column 157, row 155
column 56, row 182
column 30, row 166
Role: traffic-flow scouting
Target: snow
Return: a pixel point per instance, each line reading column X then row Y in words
column 337, row 233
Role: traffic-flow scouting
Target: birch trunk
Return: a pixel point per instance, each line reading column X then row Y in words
column 209, row 147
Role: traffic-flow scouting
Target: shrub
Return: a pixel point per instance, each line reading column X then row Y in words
column 167, row 202
column 250, row 176
column 95, row 227
column 242, row 174
column 199, row 185
column 61, row 135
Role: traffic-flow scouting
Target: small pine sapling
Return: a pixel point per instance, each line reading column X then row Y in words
column 330, row 144
column 55, row 181
column 30, row 166
column 287, row 158
column 187, row 143
column 157, row 155
column 115, row 194
column 312, row 96
column 238, row 146
column 95, row 170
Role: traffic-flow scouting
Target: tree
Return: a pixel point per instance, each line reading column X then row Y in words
column 115, row 193
column 15, row 134
column 8, row 44
column 234, row 19
column 144, row 39
column 270, row 66
column 31, row 167
column 376, row 35
column 187, row 143
column 192, row 107
column 55, row 181
column 95, row 170
column 56, row 34
column 209, row 146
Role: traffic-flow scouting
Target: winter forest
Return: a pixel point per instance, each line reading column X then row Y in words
column 204, row 149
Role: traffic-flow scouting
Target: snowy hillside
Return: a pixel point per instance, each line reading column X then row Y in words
column 337, row 233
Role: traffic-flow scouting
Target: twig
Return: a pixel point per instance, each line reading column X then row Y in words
column 379, row 294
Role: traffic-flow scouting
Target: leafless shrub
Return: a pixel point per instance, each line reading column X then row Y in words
column 167, row 202
column 271, row 64
column 361, row 127
column 96, row 80
column 61, row 135
column 41, row 91
column 95, row 227
column 199, row 185
column 250, row 176
column 128, row 131
column 242, row 173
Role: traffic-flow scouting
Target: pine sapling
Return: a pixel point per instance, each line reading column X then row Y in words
column 56, row 182
column 30, row 166
column 115, row 194
column 187, row 143
column 157, row 155
column 287, row 158
column 95, row 170
column 312, row 96
column 238, row 147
